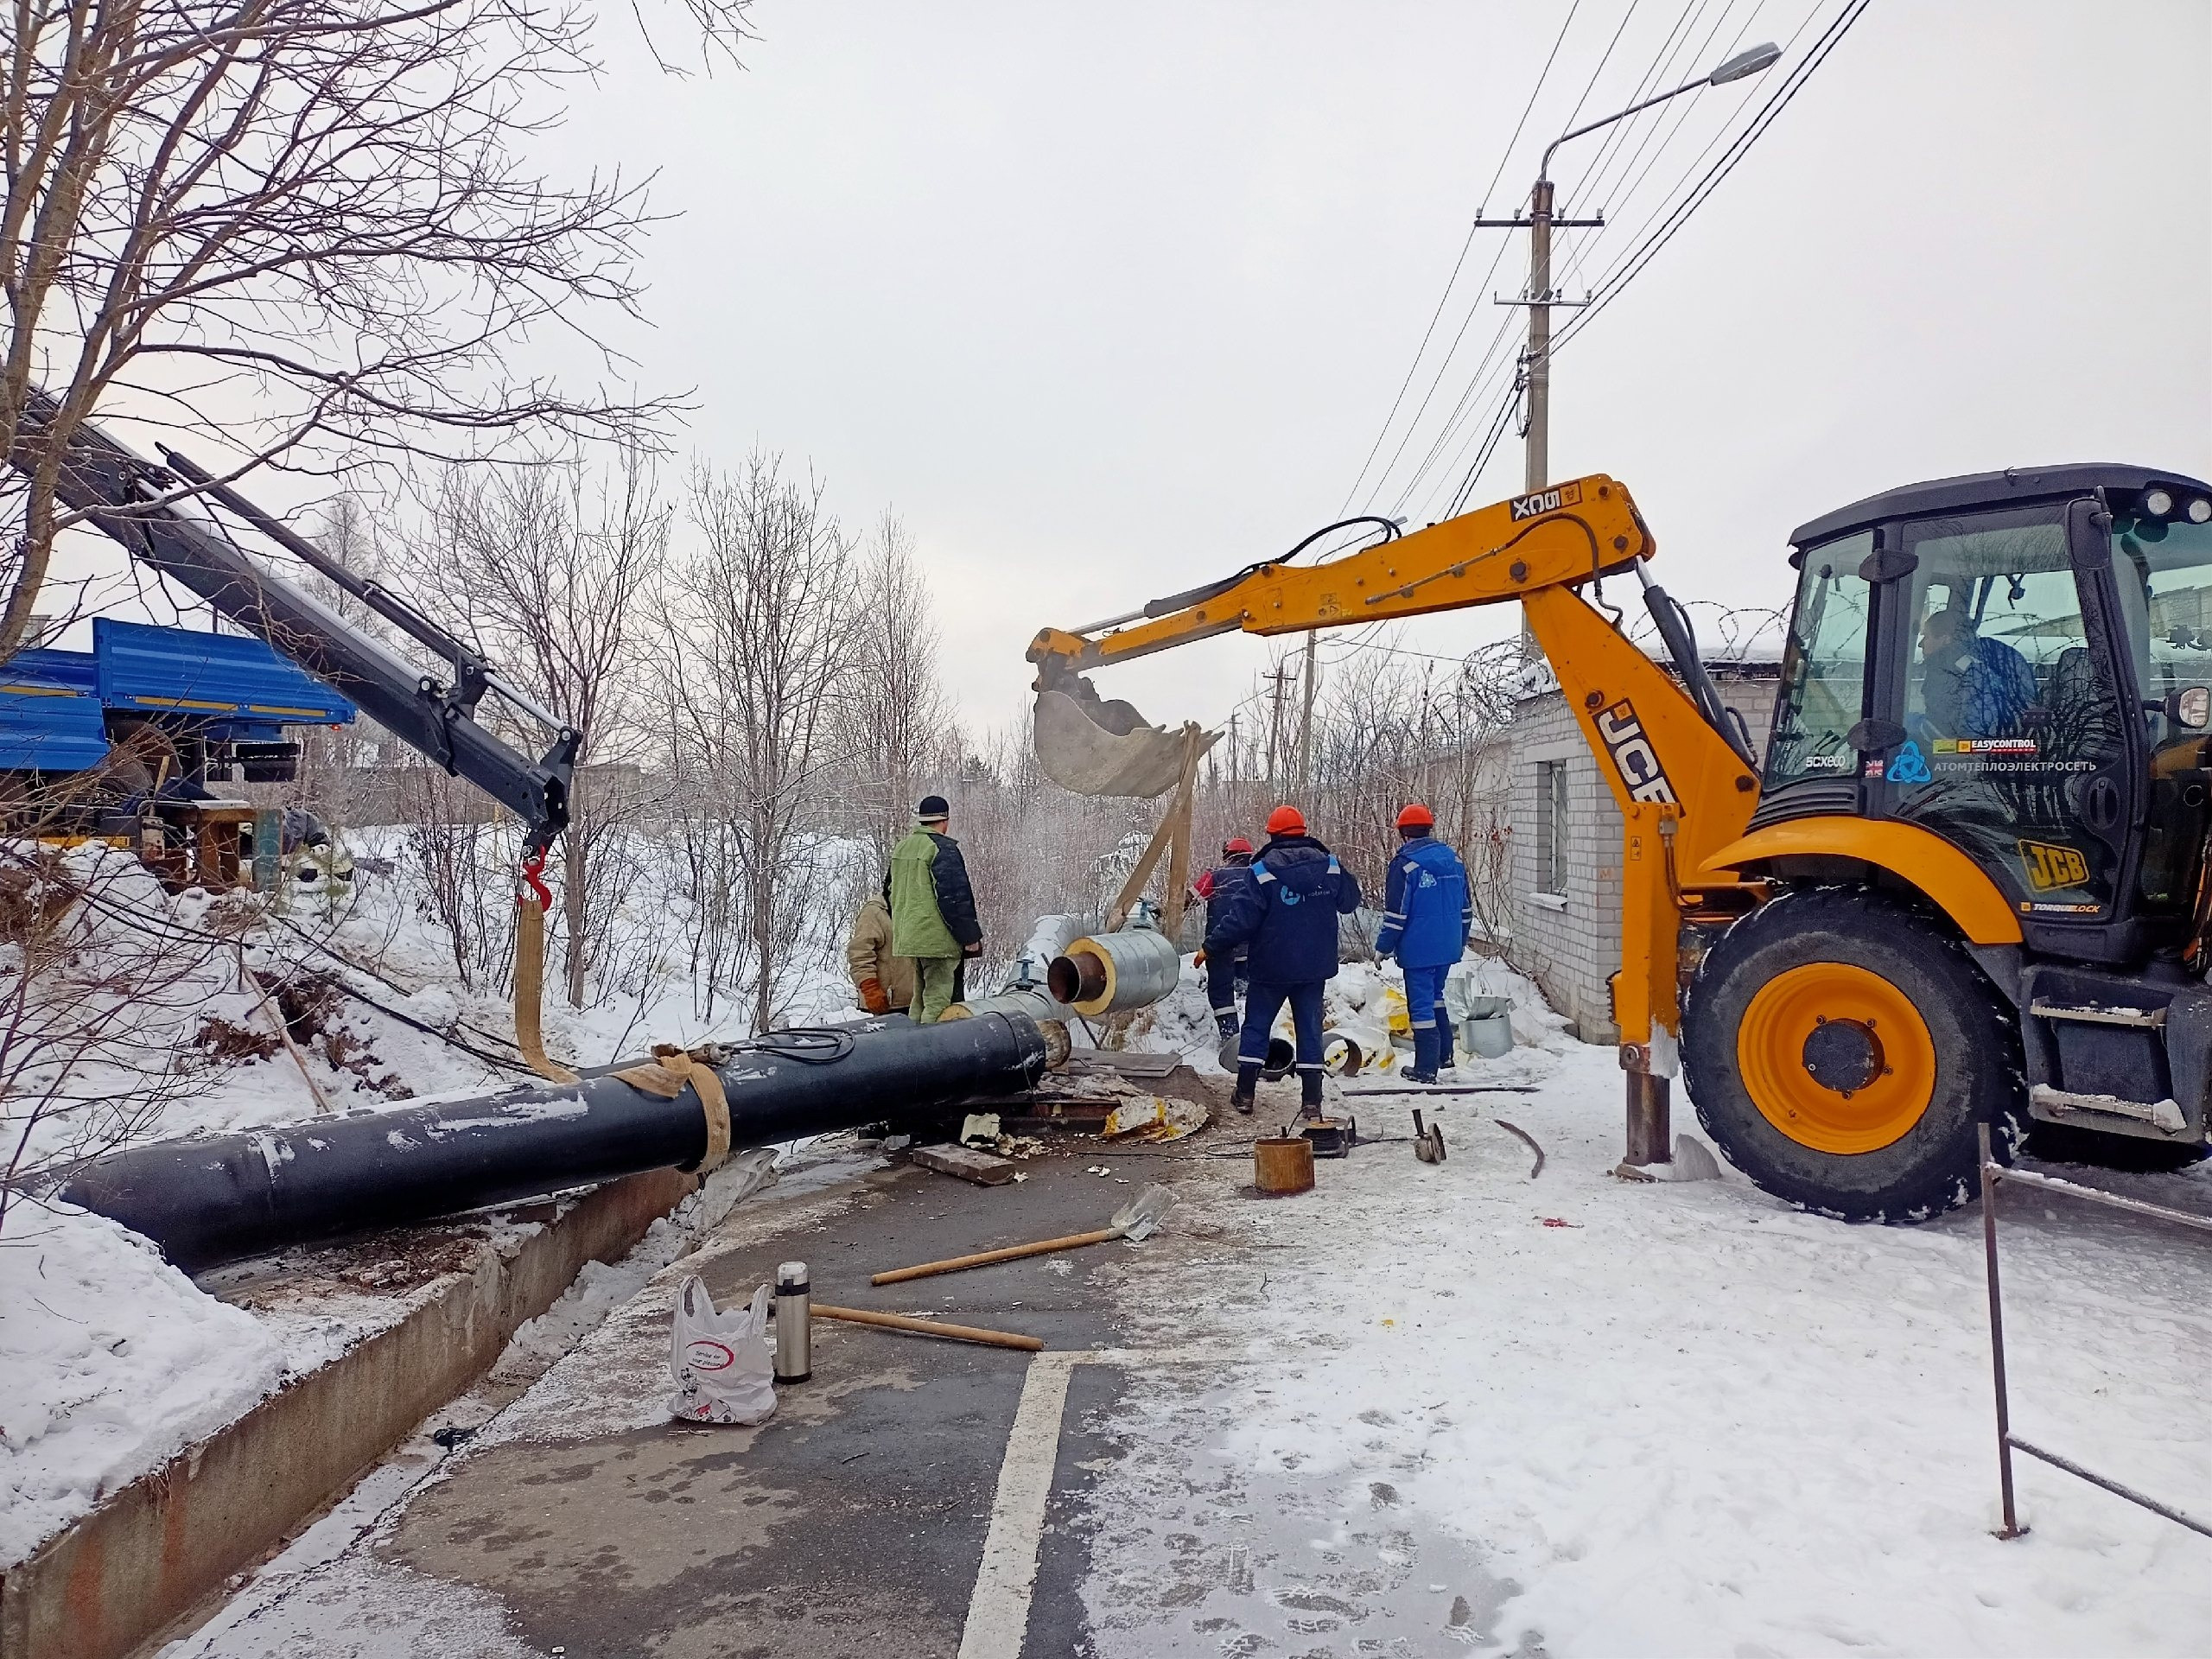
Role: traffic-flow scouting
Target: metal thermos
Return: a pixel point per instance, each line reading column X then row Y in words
column 794, row 1324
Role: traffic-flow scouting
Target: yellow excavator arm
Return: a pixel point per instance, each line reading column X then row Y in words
column 1683, row 776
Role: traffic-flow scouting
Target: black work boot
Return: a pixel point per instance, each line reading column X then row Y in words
column 1248, row 1082
column 1309, row 1094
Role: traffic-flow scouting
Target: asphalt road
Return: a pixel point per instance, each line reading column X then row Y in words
column 853, row 1522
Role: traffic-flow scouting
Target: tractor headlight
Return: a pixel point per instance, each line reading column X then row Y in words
column 2200, row 512
column 2158, row 502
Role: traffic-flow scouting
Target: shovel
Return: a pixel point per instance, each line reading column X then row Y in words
column 1140, row 1218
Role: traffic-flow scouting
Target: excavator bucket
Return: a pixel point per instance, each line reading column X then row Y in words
column 1091, row 746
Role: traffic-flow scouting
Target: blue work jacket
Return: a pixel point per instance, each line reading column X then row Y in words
column 1427, row 913
column 1286, row 915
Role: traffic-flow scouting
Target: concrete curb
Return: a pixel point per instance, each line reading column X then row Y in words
column 154, row 1549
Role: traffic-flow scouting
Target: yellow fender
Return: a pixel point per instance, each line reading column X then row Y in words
column 1952, row 881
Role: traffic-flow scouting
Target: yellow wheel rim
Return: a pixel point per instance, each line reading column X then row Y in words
column 1836, row 1058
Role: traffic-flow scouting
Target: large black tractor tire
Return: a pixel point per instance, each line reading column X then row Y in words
column 1786, row 1059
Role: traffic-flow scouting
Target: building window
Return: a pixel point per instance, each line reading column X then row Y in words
column 1551, row 826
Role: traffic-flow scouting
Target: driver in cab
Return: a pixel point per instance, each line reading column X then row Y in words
column 1971, row 687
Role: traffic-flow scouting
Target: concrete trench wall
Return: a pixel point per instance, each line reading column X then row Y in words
column 153, row 1550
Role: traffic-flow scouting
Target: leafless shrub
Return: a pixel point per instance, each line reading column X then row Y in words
column 894, row 720
column 458, row 864
column 761, row 613
column 542, row 569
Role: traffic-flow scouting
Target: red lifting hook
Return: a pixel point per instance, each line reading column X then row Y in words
column 533, row 871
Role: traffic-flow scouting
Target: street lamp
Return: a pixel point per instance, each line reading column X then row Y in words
column 1540, row 223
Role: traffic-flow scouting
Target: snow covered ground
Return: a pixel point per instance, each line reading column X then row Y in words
column 111, row 1361
column 1454, row 1408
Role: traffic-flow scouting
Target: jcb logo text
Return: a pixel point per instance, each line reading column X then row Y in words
column 1633, row 755
column 2050, row 868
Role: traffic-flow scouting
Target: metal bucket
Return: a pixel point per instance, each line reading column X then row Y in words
column 1488, row 1028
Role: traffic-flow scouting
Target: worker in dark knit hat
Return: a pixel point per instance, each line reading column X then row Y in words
column 933, row 910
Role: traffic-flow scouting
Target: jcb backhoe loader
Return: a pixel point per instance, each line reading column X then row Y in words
column 1968, row 883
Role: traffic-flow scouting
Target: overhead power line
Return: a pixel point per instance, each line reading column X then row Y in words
column 1633, row 264
column 1444, row 299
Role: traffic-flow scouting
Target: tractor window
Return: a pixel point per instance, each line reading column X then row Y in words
column 2164, row 571
column 2009, row 711
column 1823, row 667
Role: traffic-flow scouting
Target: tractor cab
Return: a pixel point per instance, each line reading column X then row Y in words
column 2021, row 662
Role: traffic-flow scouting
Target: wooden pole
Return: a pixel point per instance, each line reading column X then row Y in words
column 929, row 1327
column 985, row 1258
column 1179, row 856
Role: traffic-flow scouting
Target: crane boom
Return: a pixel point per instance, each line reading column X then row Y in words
column 120, row 492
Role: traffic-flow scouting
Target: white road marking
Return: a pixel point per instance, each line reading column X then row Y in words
column 998, row 1613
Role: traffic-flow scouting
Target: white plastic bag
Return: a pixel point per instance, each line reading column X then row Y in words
column 724, row 1363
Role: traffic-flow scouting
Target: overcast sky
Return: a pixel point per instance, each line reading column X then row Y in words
column 1105, row 301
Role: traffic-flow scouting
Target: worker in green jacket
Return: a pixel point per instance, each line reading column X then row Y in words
column 933, row 910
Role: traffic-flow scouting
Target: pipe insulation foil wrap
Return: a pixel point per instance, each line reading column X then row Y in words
column 208, row 1199
column 1111, row 973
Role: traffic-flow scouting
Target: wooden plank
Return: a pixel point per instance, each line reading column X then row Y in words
column 984, row 1169
column 1125, row 1062
column 929, row 1327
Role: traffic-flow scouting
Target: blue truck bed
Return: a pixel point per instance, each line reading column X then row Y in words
column 55, row 704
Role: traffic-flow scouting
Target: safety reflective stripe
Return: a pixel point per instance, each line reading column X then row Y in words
column 1394, row 915
column 1259, row 874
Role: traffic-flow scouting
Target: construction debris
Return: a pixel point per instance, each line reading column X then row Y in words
column 983, row 1168
column 1155, row 1118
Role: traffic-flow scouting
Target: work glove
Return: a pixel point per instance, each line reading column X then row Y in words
column 873, row 998
column 1198, row 960
column 974, row 950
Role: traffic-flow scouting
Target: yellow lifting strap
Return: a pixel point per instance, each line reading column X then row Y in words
column 664, row 1077
column 530, row 988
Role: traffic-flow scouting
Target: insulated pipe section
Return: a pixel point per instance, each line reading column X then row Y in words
column 1050, row 1017
column 210, row 1199
column 1110, row 973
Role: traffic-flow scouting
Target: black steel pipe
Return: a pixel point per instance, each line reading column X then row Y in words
column 208, row 1199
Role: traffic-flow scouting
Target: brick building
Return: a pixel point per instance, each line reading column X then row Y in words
column 1565, row 841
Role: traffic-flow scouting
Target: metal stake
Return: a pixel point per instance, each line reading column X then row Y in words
column 2013, row 1529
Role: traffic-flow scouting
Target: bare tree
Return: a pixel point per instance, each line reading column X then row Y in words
column 894, row 720
column 761, row 611
column 460, row 863
column 541, row 568
column 306, row 227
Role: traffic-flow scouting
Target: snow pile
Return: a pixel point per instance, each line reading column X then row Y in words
column 1578, row 1416
column 1366, row 1001
column 602, row 1286
column 110, row 1361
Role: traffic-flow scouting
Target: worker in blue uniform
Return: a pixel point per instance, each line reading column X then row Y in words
column 1429, row 916
column 1285, row 916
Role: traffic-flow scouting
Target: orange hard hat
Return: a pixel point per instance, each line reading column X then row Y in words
column 1235, row 844
column 1416, row 817
column 1286, row 820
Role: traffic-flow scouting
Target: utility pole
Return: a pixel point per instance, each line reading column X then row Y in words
column 1536, row 361
column 1306, row 725
column 1535, row 450
column 1280, row 676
